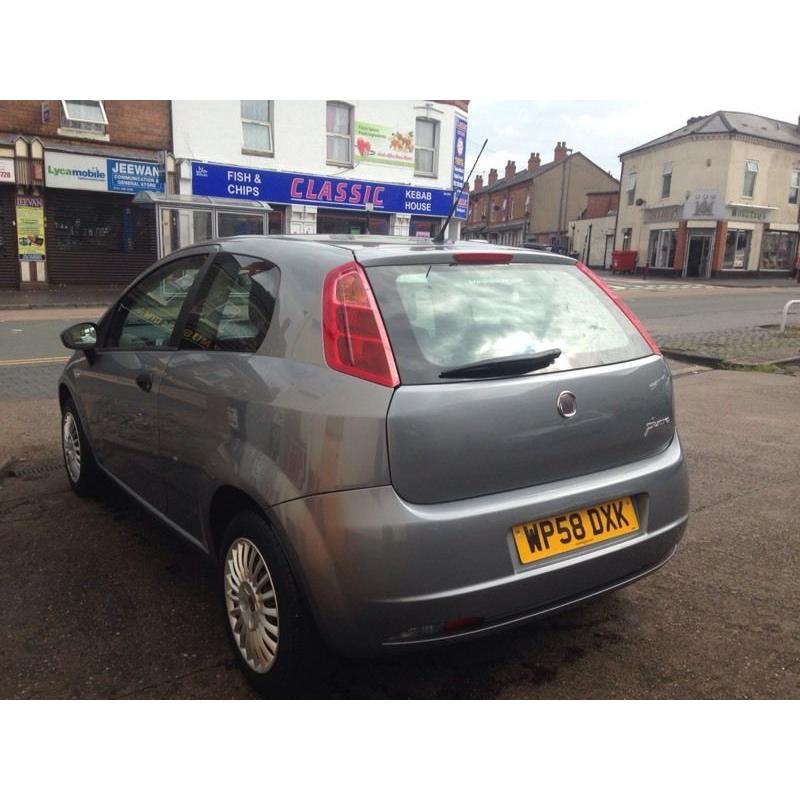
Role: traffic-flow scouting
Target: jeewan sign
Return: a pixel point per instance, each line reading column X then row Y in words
column 98, row 174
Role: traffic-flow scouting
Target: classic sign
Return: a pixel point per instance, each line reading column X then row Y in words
column 220, row 180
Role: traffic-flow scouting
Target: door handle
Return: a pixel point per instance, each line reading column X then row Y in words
column 144, row 381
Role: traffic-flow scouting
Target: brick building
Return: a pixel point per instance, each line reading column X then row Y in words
column 536, row 203
column 591, row 235
column 68, row 172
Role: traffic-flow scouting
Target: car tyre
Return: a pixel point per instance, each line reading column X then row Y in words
column 268, row 625
column 84, row 476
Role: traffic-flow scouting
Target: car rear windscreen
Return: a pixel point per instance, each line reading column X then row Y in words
column 444, row 316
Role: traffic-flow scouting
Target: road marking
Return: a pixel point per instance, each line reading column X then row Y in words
column 22, row 362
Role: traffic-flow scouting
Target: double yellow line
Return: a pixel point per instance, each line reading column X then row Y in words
column 23, row 362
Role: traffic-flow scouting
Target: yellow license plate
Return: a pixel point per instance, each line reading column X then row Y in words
column 543, row 538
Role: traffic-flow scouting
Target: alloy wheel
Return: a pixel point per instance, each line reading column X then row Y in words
column 251, row 605
column 72, row 447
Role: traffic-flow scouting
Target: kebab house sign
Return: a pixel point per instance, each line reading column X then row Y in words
column 243, row 183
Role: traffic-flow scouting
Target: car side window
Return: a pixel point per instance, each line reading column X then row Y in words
column 234, row 306
column 146, row 316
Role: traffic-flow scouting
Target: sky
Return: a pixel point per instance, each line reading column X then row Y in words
column 600, row 129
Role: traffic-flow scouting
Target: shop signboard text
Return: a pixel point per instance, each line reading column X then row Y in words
column 219, row 180
column 98, row 174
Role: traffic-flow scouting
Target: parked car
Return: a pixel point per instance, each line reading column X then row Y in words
column 388, row 443
column 545, row 248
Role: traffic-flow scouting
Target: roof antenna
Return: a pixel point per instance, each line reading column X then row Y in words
column 439, row 238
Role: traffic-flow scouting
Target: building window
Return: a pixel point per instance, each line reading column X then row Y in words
column 750, row 172
column 626, row 238
column 511, row 208
column 84, row 115
column 666, row 179
column 339, row 128
column 425, row 147
column 631, row 188
column 527, row 203
column 257, row 126
column 661, row 249
column 737, row 247
column 794, row 187
column 778, row 250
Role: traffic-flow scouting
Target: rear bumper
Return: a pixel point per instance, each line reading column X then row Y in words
column 383, row 574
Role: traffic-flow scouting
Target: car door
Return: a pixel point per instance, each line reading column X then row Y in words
column 212, row 391
column 122, row 385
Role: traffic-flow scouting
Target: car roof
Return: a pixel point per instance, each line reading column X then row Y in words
column 371, row 250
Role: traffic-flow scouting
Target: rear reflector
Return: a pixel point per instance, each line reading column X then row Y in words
column 626, row 310
column 353, row 335
column 482, row 258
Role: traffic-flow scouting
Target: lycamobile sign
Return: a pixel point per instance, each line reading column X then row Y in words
column 89, row 174
column 97, row 174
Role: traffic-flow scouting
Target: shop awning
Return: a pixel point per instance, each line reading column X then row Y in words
column 198, row 201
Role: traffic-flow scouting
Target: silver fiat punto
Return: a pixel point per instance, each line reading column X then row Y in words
column 383, row 443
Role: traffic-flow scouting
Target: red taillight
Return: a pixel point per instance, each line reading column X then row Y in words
column 482, row 258
column 626, row 310
column 353, row 335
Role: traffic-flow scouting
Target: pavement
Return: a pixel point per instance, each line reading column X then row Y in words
column 59, row 297
column 738, row 347
column 98, row 600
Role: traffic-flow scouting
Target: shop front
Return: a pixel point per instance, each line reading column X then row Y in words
column 189, row 219
column 329, row 204
column 352, row 223
column 705, row 237
column 94, row 233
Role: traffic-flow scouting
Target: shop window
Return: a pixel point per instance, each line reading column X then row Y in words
column 750, row 172
column 737, row 247
column 257, row 126
column 631, row 188
column 88, row 116
column 423, row 227
column 794, row 186
column 235, row 306
column 666, row 179
column 778, row 250
column 339, row 130
column 238, row 224
column 426, row 147
column 661, row 248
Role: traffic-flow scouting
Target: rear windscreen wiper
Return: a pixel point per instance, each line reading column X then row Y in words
column 507, row 365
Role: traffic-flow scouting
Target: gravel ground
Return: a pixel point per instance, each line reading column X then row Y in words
column 99, row 600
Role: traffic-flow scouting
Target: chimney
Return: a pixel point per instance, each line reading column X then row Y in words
column 560, row 153
column 492, row 176
column 478, row 182
column 511, row 169
column 534, row 162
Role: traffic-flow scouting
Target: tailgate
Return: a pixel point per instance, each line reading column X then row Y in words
column 448, row 442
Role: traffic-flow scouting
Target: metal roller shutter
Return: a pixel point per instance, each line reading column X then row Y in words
column 9, row 263
column 97, row 237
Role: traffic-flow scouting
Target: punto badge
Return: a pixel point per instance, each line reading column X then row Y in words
column 567, row 405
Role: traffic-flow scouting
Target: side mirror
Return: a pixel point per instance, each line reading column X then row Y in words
column 82, row 336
